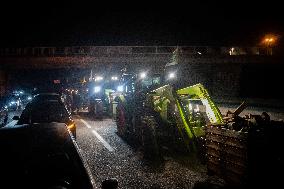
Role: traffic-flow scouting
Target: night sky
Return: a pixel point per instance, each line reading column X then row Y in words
column 50, row 23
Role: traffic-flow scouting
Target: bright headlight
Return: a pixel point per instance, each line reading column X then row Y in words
column 120, row 88
column 143, row 75
column 114, row 78
column 172, row 75
column 97, row 89
column 99, row 78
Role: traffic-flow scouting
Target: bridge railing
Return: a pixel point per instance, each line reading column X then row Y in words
column 104, row 50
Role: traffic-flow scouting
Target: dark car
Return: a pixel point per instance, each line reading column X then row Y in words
column 42, row 156
column 47, row 108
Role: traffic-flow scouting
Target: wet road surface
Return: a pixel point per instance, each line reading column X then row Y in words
column 111, row 157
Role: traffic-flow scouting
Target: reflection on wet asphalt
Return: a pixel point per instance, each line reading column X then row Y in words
column 126, row 164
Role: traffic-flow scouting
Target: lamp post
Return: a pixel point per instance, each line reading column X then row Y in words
column 269, row 42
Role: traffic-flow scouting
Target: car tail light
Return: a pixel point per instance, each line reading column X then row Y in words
column 71, row 125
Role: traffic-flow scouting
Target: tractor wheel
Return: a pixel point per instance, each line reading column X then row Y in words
column 149, row 137
column 121, row 121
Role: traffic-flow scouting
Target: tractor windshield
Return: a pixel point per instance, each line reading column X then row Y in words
column 195, row 112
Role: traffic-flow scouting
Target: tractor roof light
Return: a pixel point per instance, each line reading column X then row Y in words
column 172, row 75
column 114, row 78
column 99, row 78
column 143, row 75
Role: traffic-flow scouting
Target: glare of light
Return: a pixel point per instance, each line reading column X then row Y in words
column 6, row 107
column 114, row 78
column 99, row 78
column 29, row 98
column 71, row 126
column 97, row 89
column 120, row 88
column 198, row 52
column 21, row 92
column 209, row 111
column 270, row 39
column 232, row 51
column 172, row 75
column 189, row 107
column 142, row 75
column 12, row 102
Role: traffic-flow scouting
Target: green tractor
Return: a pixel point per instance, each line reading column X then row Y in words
column 155, row 117
column 161, row 113
column 160, row 110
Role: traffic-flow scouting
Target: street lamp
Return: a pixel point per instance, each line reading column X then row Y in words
column 269, row 41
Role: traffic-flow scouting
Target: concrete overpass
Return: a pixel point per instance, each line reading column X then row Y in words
column 90, row 56
column 216, row 67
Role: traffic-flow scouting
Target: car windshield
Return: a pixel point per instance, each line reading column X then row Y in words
column 44, row 112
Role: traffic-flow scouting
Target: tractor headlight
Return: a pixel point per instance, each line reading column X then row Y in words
column 97, row 89
column 172, row 75
column 120, row 88
column 143, row 75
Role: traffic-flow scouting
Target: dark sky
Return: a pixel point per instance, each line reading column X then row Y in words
column 138, row 23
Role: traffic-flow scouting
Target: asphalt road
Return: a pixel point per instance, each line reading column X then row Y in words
column 109, row 156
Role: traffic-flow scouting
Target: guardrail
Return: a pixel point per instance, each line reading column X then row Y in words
column 101, row 50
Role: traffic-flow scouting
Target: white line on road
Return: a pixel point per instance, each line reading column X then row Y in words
column 12, row 123
column 103, row 141
column 98, row 136
column 85, row 123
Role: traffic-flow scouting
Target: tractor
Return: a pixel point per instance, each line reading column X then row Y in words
column 157, row 113
column 165, row 116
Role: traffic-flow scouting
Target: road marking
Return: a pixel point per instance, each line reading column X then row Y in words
column 85, row 123
column 103, row 141
column 12, row 123
column 98, row 136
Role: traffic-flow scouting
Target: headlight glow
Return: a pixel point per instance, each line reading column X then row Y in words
column 120, row 88
column 99, row 78
column 97, row 89
column 143, row 75
column 114, row 78
column 172, row 75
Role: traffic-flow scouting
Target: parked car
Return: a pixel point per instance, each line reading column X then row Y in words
column 46, row 108
column 42, row 156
